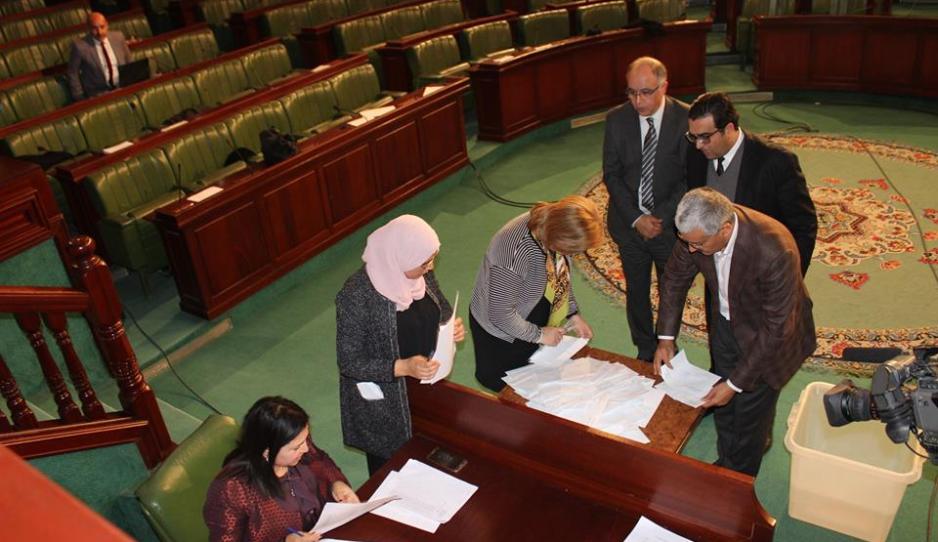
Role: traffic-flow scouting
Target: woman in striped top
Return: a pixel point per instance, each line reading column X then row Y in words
column 523, row 294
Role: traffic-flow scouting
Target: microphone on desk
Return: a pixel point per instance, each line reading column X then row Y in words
column 343, row 112
column 183, row 191
column 870, row 354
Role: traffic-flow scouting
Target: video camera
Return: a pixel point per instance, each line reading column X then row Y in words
column 903, row 410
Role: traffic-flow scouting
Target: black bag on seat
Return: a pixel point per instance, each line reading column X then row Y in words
column 276, row 147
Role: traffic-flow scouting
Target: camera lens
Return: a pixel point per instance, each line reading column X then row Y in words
column 845, row 403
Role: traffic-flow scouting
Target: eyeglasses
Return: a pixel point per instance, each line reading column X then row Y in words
column 697, row 245
column 703, row 138
column 643, row 92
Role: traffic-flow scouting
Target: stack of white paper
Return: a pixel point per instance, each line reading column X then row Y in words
column 428, row 497
column 648, row 531
column 566, row 349
column 445, row 351
column 336, row 514
column 685, row 382
column 376, row 112
column 608, row 396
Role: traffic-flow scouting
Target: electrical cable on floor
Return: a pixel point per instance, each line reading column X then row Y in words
column 194, row 393
column 491, row 193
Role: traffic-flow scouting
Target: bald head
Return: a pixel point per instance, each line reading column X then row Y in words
column 97, row 25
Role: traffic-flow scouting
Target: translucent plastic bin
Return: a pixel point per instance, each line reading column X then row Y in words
column 849, row 479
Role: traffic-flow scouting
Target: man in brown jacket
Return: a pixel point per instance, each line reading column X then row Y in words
column 762, row 327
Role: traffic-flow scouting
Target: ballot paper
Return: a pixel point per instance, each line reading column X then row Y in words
column 563, row 351
column 430, row 89
column 428, row 497
column 376, row 112
column 370, row 391
column 685, row 382
column 649, row 531
column 445, row 351
column 358, row 121
column 118, row 147
column 204, row 194
column 336, row 514
column 603, row 395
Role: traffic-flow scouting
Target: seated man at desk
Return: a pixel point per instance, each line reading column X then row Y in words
column 94, row 59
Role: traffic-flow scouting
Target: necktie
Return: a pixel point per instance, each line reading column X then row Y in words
column 720, row 169
column 110, row 67
column 645, row 193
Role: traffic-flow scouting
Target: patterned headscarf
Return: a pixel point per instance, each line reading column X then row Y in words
column 402, row 244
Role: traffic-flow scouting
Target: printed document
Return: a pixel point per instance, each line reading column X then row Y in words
column 565, row 350
column 685, row 382
column 445, row 351
column 428, row 497
column 336, row 514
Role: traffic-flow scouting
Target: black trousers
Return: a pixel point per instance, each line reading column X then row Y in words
column 375, row 462
column 745, row 423
column 495, row 356
column 637, row 256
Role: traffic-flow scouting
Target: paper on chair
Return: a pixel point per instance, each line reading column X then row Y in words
column 685, row 382
column 648, row 531
column 445, row 351
column 430, row 89
column 336, row 514
column 563, row 351
column 120, row 146
column 204, row 194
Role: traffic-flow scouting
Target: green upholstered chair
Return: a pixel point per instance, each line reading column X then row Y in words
column 136, row 27
column 7, row 114
column 662, row 10
column 32, row 57
column 285, row 20
column 164, row 100
column 246, row 126
column 323, row 11
column 110, row 123
column 745, row 31
column 123, row 194
column 64, row 18
column 173, row 495
column 63, row 42
column 312, row 109
column 838, row 7
column 484, row 40
column 441, row 13
column 194, row 47
column 357, row 89
column 222, row 82
column 24, row 28
column 62, row 134
column 543, row 27
column 359, row 35
column 12, row 7
column 402, row 22
column 603, row 17
column 198, row 157
column 217, row 12
column 37, row 97
column 267, row 65
column 159, row 54
column 361, row 6
column 4, row 70
column 435, row 59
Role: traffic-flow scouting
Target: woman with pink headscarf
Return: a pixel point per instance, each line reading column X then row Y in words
column 388, row 315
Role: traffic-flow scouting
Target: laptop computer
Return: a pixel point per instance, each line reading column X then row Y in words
column 134, row 72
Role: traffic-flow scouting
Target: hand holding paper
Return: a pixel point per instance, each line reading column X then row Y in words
column 445, row 347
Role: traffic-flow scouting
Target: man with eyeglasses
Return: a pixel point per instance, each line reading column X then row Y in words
column 643, row 167
column 762, row 327
column 749, row 170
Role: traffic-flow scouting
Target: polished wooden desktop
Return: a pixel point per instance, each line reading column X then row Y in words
column 268, row 220
column 887, row 55
column 672, row 423
column 544, row 478
column 534, row 87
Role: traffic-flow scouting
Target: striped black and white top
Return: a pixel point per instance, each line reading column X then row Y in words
column 511, row 282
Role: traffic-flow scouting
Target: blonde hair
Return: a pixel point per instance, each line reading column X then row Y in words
column 570, row 225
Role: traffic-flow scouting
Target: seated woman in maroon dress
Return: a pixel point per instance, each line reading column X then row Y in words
column 275, row 483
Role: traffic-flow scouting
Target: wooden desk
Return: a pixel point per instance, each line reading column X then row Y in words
column 888, row 55
column 581, row 74
column 542, row 478
column 672, row 423
column 271, row 219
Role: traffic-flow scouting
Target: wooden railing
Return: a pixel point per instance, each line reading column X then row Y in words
column 88, row 425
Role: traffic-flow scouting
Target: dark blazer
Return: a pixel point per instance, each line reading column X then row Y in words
column 770, row 181
column 770, row 310
column 622, row 166
column 86, row 77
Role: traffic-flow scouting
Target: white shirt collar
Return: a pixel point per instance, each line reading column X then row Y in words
column 657, row 116
column 728, row 157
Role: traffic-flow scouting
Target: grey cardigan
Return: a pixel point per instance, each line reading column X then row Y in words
column 366, row 344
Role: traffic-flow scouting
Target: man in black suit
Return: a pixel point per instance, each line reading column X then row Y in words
column 643, row 167
column 94, row 59
column 749, row 170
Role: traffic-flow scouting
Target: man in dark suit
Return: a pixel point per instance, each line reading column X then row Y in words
column 94, row 59
column 749, row 170
column 643, row 168
column 762, row 325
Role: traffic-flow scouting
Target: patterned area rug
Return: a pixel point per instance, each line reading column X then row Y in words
column 872, row 276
